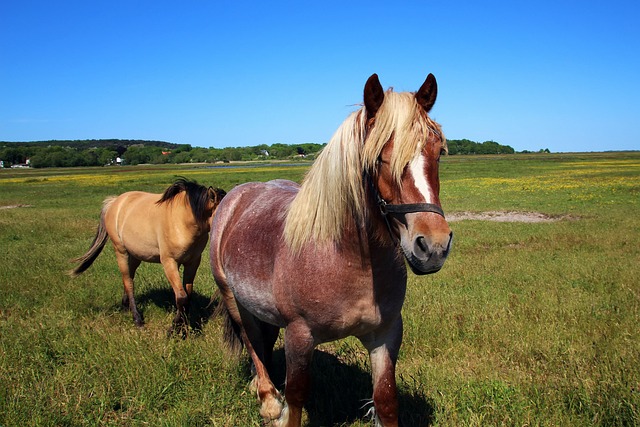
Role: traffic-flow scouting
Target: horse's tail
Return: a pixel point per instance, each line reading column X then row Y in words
column 231, row 330
column 98, row 243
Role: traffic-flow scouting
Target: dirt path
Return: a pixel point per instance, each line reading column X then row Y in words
column 15, row 206
column 501, row 216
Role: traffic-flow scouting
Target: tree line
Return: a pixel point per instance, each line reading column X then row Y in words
column 465, row 146
column 103, row 152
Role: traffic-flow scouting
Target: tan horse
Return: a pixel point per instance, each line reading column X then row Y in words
column 170, row 228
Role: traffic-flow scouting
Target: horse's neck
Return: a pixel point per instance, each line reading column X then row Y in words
column 372, row 236
column 378, row 227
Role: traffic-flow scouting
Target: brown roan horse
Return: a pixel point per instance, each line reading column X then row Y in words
column 324, row 260
column 169, row 228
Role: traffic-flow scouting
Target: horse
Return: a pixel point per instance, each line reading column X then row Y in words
column 326, row 259
column 170, row 228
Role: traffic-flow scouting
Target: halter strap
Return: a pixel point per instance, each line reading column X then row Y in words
column 386, row 208
column 403, row 208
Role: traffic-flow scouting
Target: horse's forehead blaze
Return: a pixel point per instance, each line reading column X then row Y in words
column 420, row 182
column 417, row 170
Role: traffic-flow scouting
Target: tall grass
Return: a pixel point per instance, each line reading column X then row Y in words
column 527, row 324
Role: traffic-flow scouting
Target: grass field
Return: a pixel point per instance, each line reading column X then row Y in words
column 528, row 324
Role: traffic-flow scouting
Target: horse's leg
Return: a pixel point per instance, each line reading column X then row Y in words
column 128, row 266
column 258, row 339
column 298, row 346
column 188, row 276
column 383, row 352
column 254, row 342
column 172, row 271
column 270, row 335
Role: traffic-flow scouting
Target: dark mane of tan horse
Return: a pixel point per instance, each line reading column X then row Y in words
column 197, row 195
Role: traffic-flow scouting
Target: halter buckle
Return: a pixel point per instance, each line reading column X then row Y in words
column 382, row 205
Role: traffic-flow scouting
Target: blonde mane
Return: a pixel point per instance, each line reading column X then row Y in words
column 333, row 187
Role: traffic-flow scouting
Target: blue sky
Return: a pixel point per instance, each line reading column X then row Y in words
column 562, row 75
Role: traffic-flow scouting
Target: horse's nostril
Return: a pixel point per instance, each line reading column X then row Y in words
column 421, row 244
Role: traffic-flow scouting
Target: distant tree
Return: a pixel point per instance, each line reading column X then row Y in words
column 182, row 157
column 199, row 155
column 181, row 148
column 121, row 149
column 88, row 157
column 106, row 156
column 261, row 150
column 137, row 154
column 14, row 155
column 231, row 154
column 281, row 151
column 465, row 146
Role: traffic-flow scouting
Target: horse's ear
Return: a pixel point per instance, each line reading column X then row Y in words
column 428, row 92
column 212, row 194
column 373, row 95
column 217, row 194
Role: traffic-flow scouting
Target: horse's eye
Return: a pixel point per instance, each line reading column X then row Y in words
column 380, row 161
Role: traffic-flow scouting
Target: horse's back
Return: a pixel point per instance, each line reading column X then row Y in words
column 254, row 203
column 132, row 220
column 251, row 216
column 134, row 206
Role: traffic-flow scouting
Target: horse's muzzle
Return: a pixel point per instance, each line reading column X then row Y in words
column 426, row 254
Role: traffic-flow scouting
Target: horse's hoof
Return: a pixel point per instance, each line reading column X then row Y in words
column 271, row 410
column 282, row 420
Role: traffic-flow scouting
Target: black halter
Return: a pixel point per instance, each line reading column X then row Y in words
column 405, row 208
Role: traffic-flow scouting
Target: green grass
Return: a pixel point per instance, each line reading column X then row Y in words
column 527, row 324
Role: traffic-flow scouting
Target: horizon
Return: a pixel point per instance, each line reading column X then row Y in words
column 142, row 141
column 530, row 76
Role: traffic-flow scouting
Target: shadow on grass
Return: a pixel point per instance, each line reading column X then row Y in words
column 341, row 393
column 201, row 308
